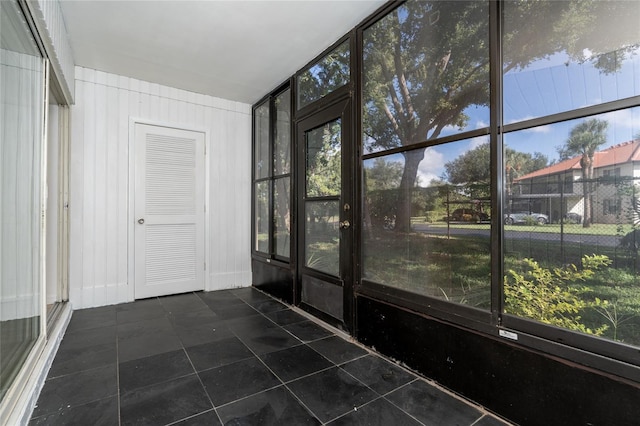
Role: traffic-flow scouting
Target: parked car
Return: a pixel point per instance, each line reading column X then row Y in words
column 468, row 215
column 521, row 217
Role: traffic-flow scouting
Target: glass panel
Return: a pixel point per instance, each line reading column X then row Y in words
column 261, row 138
column 571, row 199
column 282, row 137
column 426, row 73
column 430, row 236
column 323, row 168
column 562, row 55
column 262, row 217
column 21, row 85
column 322, row 236
column 327, row 75
column 281, row 216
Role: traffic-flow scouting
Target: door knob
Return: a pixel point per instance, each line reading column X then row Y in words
column 141, row 221
column 345, row 224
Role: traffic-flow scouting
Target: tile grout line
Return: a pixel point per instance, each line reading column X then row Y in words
column 286, row 385
column 350, row 339
column 118, row 373
column 204, row 388
column 333, row 364
column 184, row 349
column 282, row 382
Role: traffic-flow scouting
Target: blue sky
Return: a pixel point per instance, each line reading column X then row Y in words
column 547, row 87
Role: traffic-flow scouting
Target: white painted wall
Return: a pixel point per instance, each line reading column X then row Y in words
column 106, row 105
column 48, row 18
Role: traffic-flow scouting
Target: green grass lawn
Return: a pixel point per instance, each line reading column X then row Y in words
column 458, row 269
column 553, row 228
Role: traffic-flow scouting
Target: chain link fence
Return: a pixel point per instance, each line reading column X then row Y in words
column 567, row 218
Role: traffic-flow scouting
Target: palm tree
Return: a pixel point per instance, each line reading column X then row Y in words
column 584, row 139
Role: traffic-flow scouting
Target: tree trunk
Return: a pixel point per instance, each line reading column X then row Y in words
column 587, row 205
column 283, row 220
column 412, row 160
column 586, row 192
column 367, row 224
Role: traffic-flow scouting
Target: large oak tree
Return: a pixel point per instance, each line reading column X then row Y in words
column 427, row 63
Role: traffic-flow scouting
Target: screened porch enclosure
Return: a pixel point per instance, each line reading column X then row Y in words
column 490, row 153
column 433, row 220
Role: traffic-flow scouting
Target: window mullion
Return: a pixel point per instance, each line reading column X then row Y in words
column 272, row 126
column 497, row 169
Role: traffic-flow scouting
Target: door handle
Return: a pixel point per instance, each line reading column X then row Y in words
column 345, row 224
column 141, row 221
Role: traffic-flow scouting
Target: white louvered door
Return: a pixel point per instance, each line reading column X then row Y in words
column 169, row 211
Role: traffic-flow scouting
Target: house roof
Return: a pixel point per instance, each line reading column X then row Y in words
column 614, row 155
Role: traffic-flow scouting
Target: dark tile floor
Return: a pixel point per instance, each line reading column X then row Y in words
column 234, row 357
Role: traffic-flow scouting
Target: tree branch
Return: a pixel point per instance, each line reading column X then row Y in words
column 392, row 91
column 402, row 81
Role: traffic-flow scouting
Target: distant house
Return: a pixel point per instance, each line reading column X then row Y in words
column 557, row 190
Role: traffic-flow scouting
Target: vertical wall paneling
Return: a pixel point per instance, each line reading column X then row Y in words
column 76, row 202
column 122, row 176
column 89, row 208
column 53, row 33
column 100, row 196
column 106, row 106
column 112, row 133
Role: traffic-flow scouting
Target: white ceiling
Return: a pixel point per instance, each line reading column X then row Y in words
column 237, row 50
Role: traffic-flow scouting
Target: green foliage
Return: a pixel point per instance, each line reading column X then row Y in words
column 426, row 63
column 473, row 167
column 551, row 296
column 631, row 241
column 615, row 316
column 381, row 204
column 456, row 269
column 383, row 175
column 584, row 139
column 329, row 74
column 324, row 163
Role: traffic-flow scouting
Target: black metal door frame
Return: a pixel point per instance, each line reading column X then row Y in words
column 341, row 109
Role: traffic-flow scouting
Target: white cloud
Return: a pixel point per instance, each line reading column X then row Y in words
column 431, row 167
column 476, row 142
column 539, row 129
column 424, row 179
column 627, row 118
column 449, row 129
column 481, row 124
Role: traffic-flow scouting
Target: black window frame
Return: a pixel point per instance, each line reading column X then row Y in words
column 605, row 355
column 271, row 177
column 331, row 97
column 464, row 315
column 610, row 356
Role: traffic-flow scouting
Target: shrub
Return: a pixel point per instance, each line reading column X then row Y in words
column 550, row 295
column 631, row 241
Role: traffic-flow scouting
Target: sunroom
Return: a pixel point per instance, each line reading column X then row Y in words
column 312, row 212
